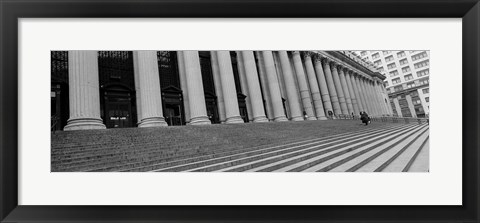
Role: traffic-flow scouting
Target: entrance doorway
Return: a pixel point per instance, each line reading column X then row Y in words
column 211, row 104
column 173, row 106
column 117, row 109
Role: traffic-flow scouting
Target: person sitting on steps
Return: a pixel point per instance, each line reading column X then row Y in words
column 365, row 119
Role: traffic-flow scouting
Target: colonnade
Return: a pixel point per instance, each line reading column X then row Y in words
column 314, row 87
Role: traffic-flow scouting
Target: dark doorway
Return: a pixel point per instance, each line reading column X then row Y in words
column 242, row 106
column 211, row 104
column 173, row 106
column 209, row 87
column 118, row 103
column 59, row 103
column 116, row 75
column 172, row 95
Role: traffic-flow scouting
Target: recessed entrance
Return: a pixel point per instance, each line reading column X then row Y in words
column 118, row 107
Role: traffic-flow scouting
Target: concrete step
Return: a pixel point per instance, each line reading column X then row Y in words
column 399, row 161
column 243, row 164
column 206, row 148
column 420, row 162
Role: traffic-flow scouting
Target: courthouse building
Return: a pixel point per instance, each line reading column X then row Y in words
column 115, row 89
column 407, row 80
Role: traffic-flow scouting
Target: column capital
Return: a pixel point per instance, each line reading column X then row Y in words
column 333, row 65
column 306, row 55
column 319, row 59
column 340, row 67
column 295, row 52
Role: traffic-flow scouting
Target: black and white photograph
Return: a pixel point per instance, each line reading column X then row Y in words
column 240, row 111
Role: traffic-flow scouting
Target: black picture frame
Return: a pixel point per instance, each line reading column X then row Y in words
column 11, row 11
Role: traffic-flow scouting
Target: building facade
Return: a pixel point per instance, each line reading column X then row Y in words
column 115, row 89
column 407, row 80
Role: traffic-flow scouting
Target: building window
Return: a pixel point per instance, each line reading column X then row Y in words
column 423, row 72
column 423, row 81
column 426, row 90
column 389, row 58
column 406, row 69
column 414, row 93
column 408, row 77
column 410, row 84
column 394, row 73
column 396, row 80
column 392, row 65
column 378, row 62
column 381, row 69
column 385, row 83
column 364, row 53
column 385, row 52
column 417, row 102
column 427, row 99
column 401, row 54
column 404, row 61
column 421, row 64
column 419, row 56
column 398, row 88
column 375, row 56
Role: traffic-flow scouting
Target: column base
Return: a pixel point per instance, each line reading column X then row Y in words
column 280, row 119
column 298, row 118
column 84, row 124
column 202, row 120
column 233, row 120
column 311, row 118
column 322, row 118
column 152, row 122
column 260, row 119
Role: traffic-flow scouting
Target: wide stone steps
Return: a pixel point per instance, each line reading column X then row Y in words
column 342, row 153
column 290, row 146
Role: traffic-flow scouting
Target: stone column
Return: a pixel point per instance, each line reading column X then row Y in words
column 381, row 99
column 410, row 105
column 292, row 95
column 274, row 88
column 376, row 106
column 338, row 87
column 313, row 83
column 376, row 103
column 368, row 106
column 147, row 85
column 218, row 86
column 331, row 87
column 397, row 107
column 303, row 86
column 251, row 76
column 84, row 93
column 228, row 86
column 389, row 106
column 371, row 97
column 183, row 85
column 264, row 84
column 358, row 95
column 348, row 99
column 244, row 85
column 196, row 96
column 353, row 92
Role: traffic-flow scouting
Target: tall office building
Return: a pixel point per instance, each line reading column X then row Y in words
column 407, row 79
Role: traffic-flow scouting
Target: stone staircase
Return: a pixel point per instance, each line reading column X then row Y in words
column 331, row 145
